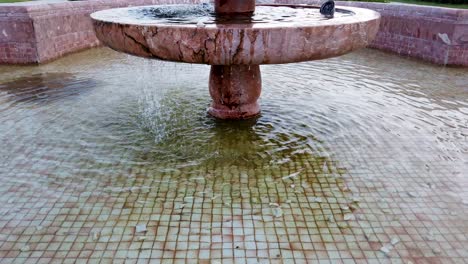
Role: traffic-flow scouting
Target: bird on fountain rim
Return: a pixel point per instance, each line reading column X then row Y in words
column 328, row 9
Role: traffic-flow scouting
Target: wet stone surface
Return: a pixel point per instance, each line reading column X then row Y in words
column 358, row 159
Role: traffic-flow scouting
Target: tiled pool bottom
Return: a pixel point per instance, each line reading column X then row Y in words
column 106, row 158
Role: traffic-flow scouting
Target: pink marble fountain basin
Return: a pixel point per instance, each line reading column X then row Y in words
column 274, row 35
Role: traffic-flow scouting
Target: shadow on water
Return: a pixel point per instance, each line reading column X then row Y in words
column 45, row 88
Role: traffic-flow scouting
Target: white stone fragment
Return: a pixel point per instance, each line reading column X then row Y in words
column 344, row 207
column 348, row 217
column 277, row 211
column 386, row 249
column 25, row 248
column 395, row 241
column 140, row 228
column 95, row 236
column 292, row 176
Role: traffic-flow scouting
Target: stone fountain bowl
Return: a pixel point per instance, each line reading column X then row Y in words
column 302, row 34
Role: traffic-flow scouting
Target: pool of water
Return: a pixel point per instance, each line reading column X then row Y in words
column 358, row 157
column 204, row 13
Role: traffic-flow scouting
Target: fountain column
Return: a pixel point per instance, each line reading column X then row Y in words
column 235, row 89
column 234, row 6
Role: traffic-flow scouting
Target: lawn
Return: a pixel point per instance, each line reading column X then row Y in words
column 418, row 2
column 11, row 1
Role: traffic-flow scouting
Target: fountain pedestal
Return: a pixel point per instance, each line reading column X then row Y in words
column 235, row 90
column 235, row 41
column 234, row 6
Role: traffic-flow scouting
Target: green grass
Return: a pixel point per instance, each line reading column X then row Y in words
column 11, row 1
column 417, row 2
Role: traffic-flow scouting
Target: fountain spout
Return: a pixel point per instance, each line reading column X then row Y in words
column 226, row 7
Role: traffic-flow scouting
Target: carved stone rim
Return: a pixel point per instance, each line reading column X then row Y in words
column 118, row 16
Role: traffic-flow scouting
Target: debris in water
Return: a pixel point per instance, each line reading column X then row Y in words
column 277, row 211
column 39, row 227
column 293, row 186
column 281, row 161
column 342, row 225
column 25, row 248
column 325, row 167
column 395, row 241
column 95, row 236
column 386, row 211
column 386, row 249
column 198, row 179
column 367, row 235
column 430, row 236
column 348, row 217
column 142, row 238
column 291, row 176
column 140, row 228
column 412, row 194
column 318, row 199
column 330, row 219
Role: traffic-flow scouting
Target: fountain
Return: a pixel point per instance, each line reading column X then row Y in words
column 235, row 37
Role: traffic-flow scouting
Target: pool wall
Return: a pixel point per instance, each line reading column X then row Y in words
column 435, row 34
column 35, row 32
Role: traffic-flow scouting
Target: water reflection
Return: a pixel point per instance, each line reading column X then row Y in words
column 45, row 88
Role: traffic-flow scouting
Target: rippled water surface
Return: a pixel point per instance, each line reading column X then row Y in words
column 349, row 155
column 204, row 13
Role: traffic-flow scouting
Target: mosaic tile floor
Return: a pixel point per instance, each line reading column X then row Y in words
column 368, row 169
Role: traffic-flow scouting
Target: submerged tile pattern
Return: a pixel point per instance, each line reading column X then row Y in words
column 73, row 194
column 301, row 212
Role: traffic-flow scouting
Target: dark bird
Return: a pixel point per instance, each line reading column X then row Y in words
column 328, row 9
